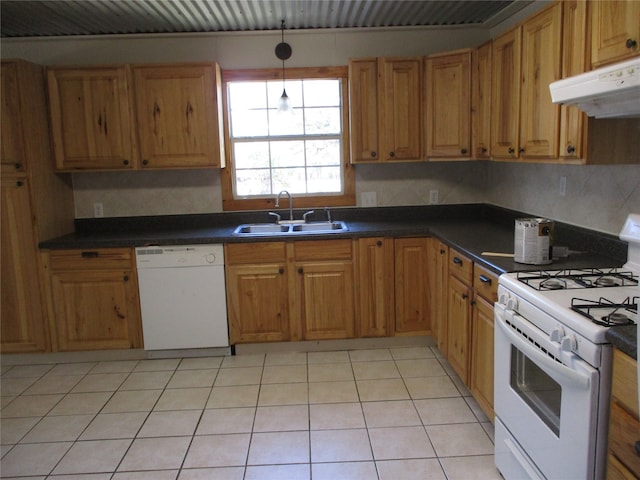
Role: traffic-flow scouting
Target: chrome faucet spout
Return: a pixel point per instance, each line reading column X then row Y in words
column 277, row 205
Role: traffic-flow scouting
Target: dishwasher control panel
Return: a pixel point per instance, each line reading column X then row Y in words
column 179, row 256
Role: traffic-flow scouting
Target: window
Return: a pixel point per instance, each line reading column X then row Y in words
column 305, row 153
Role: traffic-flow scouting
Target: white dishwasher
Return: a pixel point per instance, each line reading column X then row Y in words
column 182, row 296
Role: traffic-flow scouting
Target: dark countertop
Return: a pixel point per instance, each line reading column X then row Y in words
column 471, row 229
column 625, row 338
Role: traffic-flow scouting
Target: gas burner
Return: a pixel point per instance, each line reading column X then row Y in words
column 576, row 279
column 615, row 313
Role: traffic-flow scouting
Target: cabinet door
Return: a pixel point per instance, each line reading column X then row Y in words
column 326, row 299
column 399, row 109
column 481, row 101
column 413, row 294
column 176, row 110
column 458, row 322
column 505, row 94
column 363, row 110
column 91, row 118
column 541, row 57
column 12, row 156
column 23, row 325
column 375, row 286
column 96, row 309
column 257, row 303
column 615, row 31
column 438, row 276
column 448, row 79
column 481, row 381
column 573, row 121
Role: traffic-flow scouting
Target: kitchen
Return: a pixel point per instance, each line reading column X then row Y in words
column 596, row 197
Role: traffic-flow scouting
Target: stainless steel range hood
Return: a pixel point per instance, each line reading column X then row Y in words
column 607, row 92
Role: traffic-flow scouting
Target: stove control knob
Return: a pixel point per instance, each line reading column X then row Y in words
column 569, row 343
column 557, row 334
column 512, row 304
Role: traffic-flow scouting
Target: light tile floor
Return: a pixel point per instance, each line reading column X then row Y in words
column 383, row 414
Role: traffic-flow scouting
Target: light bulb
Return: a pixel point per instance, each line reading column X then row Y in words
column 284, row 104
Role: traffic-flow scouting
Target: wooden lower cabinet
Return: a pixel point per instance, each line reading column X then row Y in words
column 624, row 426
column 413, row 296
column 438, row 276
column 23, row 314
column 481, row 374
column 374, row 284
column 94, row 299
column 279, row 291
column 458, row 326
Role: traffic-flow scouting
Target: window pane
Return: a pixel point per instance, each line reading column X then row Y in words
column 324, row 179
column 253, row 182
column 321, row 93
column 287, row 154
column 286, row 123
column 249, row 123
column 322, row 120
column 246, row 95
column 251, row 154
column 323, row 152
column 291, row 179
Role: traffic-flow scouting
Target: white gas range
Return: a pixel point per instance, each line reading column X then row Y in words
column 553, row 365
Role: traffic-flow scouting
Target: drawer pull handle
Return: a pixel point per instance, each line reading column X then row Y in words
column 89, row 254
column 457, row 261
column 637, row 447
column 485, row 279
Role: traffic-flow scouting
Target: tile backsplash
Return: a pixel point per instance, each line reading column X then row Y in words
column 596, row 197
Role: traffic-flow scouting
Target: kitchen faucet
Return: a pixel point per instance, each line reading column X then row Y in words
column 277, row 205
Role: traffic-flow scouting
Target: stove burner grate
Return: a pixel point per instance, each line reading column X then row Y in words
column 614, row 313
column 576, row 279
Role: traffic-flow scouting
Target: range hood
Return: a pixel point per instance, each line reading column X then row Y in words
column 607, row 92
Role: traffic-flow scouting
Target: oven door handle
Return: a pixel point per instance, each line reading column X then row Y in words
column 578, row 380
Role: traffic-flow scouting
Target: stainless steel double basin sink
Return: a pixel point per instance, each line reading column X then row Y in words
column 278, row 229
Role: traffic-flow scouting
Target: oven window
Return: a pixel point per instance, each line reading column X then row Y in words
column 541, row 392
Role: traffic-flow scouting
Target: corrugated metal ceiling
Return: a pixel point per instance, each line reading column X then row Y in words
column 34, row 18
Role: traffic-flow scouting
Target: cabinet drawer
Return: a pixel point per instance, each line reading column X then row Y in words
column 625, row 381
column 323, row 250
column 624, row 432
column 485, row 283
column 460, row 266
column 239, row 253
column 92, row 258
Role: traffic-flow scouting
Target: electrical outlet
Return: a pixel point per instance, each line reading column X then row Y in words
column 98, row 210
column 369, row 199
column 562, row 188
column 433, row 197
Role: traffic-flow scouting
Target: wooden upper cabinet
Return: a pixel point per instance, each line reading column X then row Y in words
column 481, row 101
column 541, row 64
column 573, row 122
column 12, row 156
column 399, row 108
column 505, row 94
column 177, row 112
column 615, row 31
column 90, row 112
column 448, row 81
column 363, row 110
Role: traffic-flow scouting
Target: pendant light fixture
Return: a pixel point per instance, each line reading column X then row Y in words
column 283, row 52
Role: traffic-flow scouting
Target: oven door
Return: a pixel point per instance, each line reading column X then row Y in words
column 546, row 401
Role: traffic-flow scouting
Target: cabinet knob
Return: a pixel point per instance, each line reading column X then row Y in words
column 281, row 270
column 463, row 151
column 631, row 43
column 125, row 278
column 300, row 270
column 521, row 150
column 125, row 162
column 465, row 296
column 392, row 154
column 511, row 150
column 19, row 183
column 145, row 162
column 571, row 149
column 472, row 302
column 373, row 154
column 379, row 243
column 484, row 150
column 442, row 251
column 457, row 261
column 18, row 166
